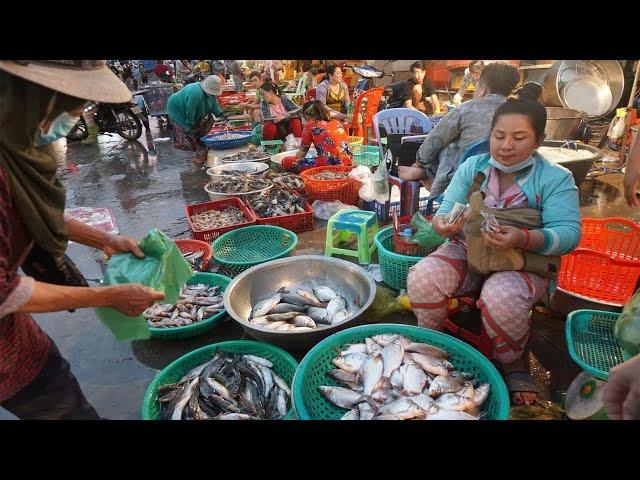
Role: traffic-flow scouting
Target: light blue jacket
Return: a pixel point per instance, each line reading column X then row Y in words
column 548, row 187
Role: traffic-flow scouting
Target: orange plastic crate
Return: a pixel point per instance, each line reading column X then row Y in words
column 188, row 245
column 606, row 265
column 346, row 189
column 210, row 235
column 296, row 222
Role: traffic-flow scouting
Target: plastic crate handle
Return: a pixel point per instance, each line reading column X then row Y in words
column 589, row 252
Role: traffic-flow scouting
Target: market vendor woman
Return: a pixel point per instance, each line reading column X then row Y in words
column 513, row 177
column 328, row 136
column 190, row 112
column 38, row 100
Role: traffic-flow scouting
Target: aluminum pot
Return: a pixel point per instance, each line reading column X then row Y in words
column 260, row 282
column 603, row 78
column 562, row 124
column 580, row 167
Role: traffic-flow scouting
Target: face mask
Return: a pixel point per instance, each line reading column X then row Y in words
column 513, row 168
column 59, row 128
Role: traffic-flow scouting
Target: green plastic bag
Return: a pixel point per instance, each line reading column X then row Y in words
column 163, row 268
column 627, row 329
column 257, row 134
column 384, row 304
column 426, row 236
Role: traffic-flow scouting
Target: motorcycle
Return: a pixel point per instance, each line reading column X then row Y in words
column 368, row 75
column 120, row 118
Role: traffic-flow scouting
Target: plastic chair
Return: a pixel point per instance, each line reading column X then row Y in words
column 372, row 98
column 400, row 121
column 346, row 222
column 300, row 90
column 476, row 149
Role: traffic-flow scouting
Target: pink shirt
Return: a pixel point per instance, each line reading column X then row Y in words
column 278, row 109
column 513, row 197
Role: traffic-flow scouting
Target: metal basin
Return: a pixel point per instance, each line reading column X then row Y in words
column 580, row 167
column 262, row 281
column 592, row 86
column 562, row 123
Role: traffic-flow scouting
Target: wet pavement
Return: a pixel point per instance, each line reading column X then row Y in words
column 147, row 184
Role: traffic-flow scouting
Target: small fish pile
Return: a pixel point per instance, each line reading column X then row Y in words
column 276, row 202
column 330, row 175
column 212, row 219
column 248, row 155
column 195, row 259
column 391, row 377
column 291, row 181
column 229, row 136
column 237, row 184
column 299, row 310
column 197, row 302
column 228, row 387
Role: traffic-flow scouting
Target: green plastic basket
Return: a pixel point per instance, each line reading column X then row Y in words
column 591, row 341
column 367, row 155
column 283, row 364
column 243, row 248
column 177, row 333
column 310, row 404
column 393, row 266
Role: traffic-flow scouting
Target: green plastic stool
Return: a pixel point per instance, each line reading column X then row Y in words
column 349, row 222
column 272, row 146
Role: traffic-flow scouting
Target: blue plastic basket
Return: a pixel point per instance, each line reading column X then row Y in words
column 213, row 140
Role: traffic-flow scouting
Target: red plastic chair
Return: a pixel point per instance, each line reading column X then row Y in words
column 372, row 101
column 310, row 95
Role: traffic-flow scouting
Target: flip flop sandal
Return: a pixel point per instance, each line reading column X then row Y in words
column 521, row 382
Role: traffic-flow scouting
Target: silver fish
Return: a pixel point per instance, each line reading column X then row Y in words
column 264, row 306
column 427, row 349
column 384, row 339
column 281, row 383
column 342, row 397
column 354, row 348
column 452, row 401
column 336, row 305
column 285, row 327
column 444, row 414
column 441, row 385
column 309, row 296
column 388, row 416
column 282, row 317
column 367, row 411
column 404, row 408
column 397, row 379
column 258, row 360
column 274, row 325
column 467, row 391
column 481, row 394
column 324, row 294
column 319, row 315
column 424, row 401
column 341, row 316
column 287, row 307
column 236, row 416
column 353, row 414
column 371, row 347
column 370, row 374
column 343, row 376
column 303, row 321
column 392, row 355
column 430, row 364
column 351, row 362
column 413, row 379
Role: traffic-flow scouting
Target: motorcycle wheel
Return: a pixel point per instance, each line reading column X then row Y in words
column 80, row 131
column 129, row 126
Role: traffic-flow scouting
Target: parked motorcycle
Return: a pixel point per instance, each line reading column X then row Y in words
column 368, row 75
column 120, row 118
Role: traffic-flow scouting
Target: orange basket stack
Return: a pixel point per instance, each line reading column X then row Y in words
column 606, row 265
column 344, row 189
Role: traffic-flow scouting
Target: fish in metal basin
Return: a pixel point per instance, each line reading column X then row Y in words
column 263, row 307
column 319, row 315
column 324, row 294
column 336, row 305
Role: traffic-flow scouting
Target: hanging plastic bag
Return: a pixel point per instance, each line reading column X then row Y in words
column 163, row 268
column 381, row 184
column 257, row 134
column 425, row 236
column 627, row 329
column 290, row 143
column 325, row 210
column 363, row 175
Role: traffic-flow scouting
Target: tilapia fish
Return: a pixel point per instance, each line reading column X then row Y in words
column 381, row 380
column 197, row 302
column 227, row 387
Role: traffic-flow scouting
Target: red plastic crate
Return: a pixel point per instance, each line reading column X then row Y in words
column 296, row 222
column 606, row 265
column 188, row 245
column 210, row 235
column 346, row 189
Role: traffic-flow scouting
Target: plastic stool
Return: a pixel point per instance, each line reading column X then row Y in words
column 347, row 222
